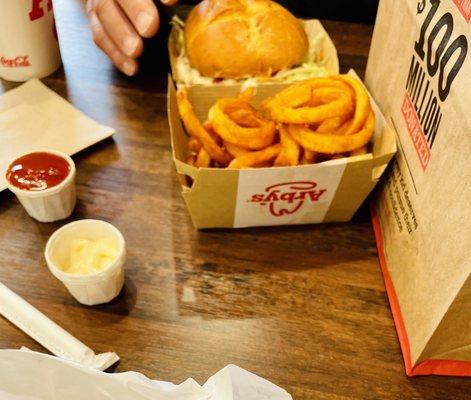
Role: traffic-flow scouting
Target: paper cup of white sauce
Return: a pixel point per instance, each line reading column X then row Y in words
column 51, row 204
column 95, row 288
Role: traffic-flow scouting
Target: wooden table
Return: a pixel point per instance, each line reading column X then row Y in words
column 304, row 307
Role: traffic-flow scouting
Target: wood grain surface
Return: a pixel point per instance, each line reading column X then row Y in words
column 304, row 307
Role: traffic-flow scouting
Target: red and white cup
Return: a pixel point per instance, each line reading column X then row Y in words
column 28, row 40
column 52, row 204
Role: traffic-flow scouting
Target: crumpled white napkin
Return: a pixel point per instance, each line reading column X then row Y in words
column 26, row 375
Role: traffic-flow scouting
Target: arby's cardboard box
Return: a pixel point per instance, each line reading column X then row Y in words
column 419, row 72
column 228, row 198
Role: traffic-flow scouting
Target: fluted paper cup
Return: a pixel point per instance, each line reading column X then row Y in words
column 51, row 204
column 93, row 289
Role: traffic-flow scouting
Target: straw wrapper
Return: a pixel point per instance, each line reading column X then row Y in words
column 49, row 334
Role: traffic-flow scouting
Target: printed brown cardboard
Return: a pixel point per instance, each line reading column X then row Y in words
column 324, row 192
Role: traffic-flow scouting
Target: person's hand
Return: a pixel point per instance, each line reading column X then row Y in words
column 118, row 27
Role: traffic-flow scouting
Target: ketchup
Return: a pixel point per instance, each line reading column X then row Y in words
column 38, row 171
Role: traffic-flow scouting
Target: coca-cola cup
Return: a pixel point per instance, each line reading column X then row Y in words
column 28, row 40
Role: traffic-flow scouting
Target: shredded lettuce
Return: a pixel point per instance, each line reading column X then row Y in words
column 310, row 67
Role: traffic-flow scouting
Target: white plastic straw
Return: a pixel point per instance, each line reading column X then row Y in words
column 50, row 335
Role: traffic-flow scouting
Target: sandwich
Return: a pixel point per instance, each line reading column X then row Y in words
column 246, row 41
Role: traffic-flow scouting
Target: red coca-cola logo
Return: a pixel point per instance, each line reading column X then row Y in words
column 15, row 62
column 288, row 198
column 37, row 9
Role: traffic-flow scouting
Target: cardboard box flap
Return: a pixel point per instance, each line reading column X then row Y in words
column 384, row 148
column 384, row 141
column 325, row 49
column 173, row 52
column 178, row 137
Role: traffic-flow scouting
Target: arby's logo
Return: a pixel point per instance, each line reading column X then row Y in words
column 288, row 198
column 15, row 62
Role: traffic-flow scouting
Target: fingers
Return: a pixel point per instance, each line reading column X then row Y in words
column 103, row 41
column 89, row 6
column 169, row 2
column 118, row 27
column 143, row 15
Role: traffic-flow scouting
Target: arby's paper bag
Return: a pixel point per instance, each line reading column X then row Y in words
column 419, row 72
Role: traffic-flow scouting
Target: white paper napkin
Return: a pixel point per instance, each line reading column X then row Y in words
column 33, row 117
column 35, row 376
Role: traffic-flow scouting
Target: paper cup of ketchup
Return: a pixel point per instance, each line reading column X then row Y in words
column 88, row 256
column 44, row 183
